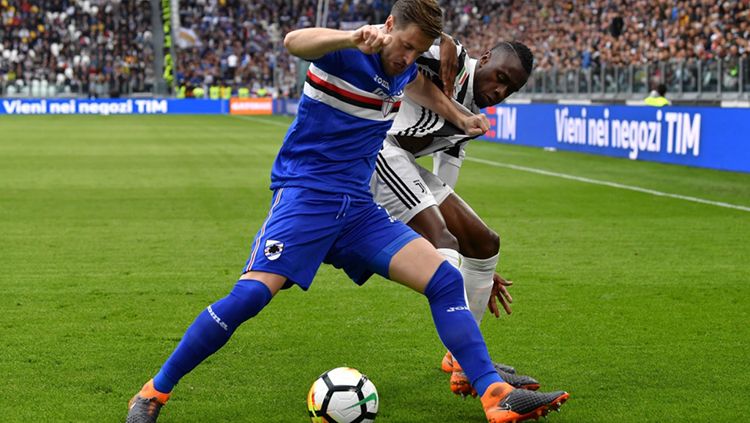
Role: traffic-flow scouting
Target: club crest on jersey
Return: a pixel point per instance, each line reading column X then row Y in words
column 273, row 249
column 388, row 103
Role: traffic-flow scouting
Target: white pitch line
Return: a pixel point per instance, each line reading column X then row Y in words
column 262, row 120
column 610, row 184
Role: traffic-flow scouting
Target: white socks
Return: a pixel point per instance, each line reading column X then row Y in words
column 451, row 255
column 478, row 274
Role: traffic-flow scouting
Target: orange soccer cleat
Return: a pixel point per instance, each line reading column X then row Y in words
column 460, row 384
column 503, row 403
column 144, row 407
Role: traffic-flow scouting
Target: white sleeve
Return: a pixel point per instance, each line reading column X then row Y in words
column 446, row 166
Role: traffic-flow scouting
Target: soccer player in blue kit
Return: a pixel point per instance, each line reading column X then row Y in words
column 322, row 209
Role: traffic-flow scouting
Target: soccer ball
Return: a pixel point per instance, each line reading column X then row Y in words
column 342, row 395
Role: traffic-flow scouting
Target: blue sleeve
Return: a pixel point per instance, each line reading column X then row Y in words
column 336, row 61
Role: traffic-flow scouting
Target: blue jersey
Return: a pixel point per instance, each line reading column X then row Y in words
column 348, row 105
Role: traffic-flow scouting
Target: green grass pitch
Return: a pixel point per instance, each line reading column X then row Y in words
column 116, row 231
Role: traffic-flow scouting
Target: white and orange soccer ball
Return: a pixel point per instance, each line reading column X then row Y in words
column 343, row 395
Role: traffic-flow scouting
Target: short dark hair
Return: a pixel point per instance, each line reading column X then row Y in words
column 661, row 89
column 523, row 53
column 426, row 14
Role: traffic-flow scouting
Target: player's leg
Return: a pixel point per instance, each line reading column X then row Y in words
column 398, row 186
column 210, row 331
column 418, row 266
column 479, row 246
column 374, row 242
column 457, row 329
column 407, row 191
column 269, row 269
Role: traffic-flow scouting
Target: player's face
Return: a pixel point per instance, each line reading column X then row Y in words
column 407, row 44
column 497, row 76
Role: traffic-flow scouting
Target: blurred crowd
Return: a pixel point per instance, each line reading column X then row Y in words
column 574, row 34
column 94, row 48
column 239, row 43
column 105, row 47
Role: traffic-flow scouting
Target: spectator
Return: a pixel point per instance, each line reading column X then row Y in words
column 53, row 47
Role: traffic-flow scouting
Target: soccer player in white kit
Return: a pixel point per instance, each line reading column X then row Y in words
column 426, row 200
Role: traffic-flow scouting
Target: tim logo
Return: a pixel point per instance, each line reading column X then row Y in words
column 273, row 249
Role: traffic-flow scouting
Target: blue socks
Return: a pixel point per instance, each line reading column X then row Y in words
column 214, row 326
column 211, row 330
column 457, row 328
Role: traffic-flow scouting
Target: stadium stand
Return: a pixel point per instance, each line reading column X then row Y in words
column 238, row 44
column 66, row 47
column 614, row 49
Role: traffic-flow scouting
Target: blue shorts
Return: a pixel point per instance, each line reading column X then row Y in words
column 305, row 228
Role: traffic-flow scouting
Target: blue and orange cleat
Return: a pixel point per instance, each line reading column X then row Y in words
column 503, row 403
column 460, row 384
column 144, row 407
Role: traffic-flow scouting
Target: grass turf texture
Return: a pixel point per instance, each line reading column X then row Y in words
column 116, row 231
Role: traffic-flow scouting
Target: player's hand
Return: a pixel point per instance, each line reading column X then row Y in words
column 448, row 64
column 370, row 39
column 500, row 293
column 475, row 125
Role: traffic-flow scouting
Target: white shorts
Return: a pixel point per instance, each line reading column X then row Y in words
column 404, row 187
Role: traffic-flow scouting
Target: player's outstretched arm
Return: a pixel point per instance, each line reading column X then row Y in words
column 314, row 43
column 428, row 95
column 448, row 63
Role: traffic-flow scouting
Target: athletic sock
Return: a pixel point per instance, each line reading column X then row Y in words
column 478, row 274
column 451, row 255
column 456, row 326
column 211, row 330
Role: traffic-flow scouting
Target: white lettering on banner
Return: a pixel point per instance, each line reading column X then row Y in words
column 683, row 132
column 60, row 107
column 152, row 106
column 105, row 108
column 18, row 107
column 506, row 123
column 570, row 130
column 249, row 105
column 63, row 108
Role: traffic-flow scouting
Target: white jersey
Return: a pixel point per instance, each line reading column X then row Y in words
column 416, row 121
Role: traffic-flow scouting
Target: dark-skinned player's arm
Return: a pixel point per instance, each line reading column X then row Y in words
column 448, row 63
column 428, row 95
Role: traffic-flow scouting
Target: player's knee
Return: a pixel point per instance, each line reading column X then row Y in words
column 482, row 245
column 441, row 238
column 446, row 286
column 247, row 299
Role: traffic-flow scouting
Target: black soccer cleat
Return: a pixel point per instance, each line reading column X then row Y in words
column 143, row 410
column 505, row 404
column 519, row 381
column 504, row 368
column 145, row 406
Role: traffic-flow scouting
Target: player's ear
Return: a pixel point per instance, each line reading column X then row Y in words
column 388, row 27
column 485, row 58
